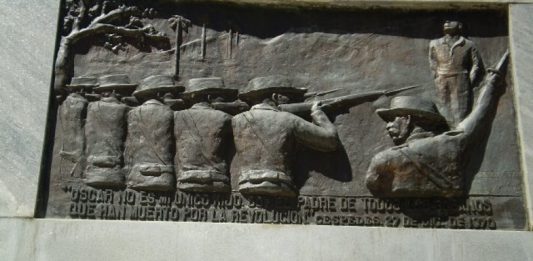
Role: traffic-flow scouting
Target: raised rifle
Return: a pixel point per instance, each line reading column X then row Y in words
column 311, row 95
column 501, row 66
column 233, row 108
column 341, row 102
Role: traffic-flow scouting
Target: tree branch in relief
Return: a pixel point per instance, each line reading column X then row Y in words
column 111, row 20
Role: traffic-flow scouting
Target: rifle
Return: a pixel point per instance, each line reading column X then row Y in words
column 232, row 108
column 310, row 95
column 174, row 104
column 341, row 102
column 501, row 66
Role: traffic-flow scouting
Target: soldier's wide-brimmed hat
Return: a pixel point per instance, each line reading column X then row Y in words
column 157, row 83
column 114, row 82
column 211, row 85
column 411, row 105
column 82, row 82
column 260, row 86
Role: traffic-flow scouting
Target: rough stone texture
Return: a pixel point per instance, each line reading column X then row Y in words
column 521, row 38
column 28, row 32
column 109, row 240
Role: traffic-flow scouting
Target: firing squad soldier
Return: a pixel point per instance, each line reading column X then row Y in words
column 203, row 136
column 149, row 148
column 266, row 138
column 72, row 114
column 105, row 132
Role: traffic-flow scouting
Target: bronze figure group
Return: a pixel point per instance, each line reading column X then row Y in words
column 147, row 146
column 160, row 136
column 433, row 142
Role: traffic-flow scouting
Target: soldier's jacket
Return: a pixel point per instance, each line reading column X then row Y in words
column 71, row 116
column 266, row 138
column 105, row 132
column 202, row 135
column 460, row 57
column 71, row 123
column 424, row 167
column 149, row 146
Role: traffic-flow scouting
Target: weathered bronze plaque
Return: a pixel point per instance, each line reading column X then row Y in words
column 179, row 111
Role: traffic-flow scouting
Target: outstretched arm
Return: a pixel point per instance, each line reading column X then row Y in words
column 321, row 136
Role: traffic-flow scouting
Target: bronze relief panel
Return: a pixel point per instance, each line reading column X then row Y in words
column 229, row 113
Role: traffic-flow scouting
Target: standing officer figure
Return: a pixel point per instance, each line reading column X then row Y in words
column 456, row 66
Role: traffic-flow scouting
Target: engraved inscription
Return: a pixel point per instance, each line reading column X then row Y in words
column 88, row 203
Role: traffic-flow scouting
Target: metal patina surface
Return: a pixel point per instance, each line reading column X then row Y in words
column 209, row 112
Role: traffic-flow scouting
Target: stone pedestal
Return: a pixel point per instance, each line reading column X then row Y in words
column 27, row 56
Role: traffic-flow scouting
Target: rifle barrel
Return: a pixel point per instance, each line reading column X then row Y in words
column 345, row 101
column 315, row 94
column 391, row 92
column 355, row 96
column 502, row 62
column 232, row 108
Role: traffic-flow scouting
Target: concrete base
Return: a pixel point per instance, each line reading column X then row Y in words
column 47, row 239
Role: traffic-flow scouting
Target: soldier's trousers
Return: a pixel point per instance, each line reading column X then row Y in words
column 454, row 97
